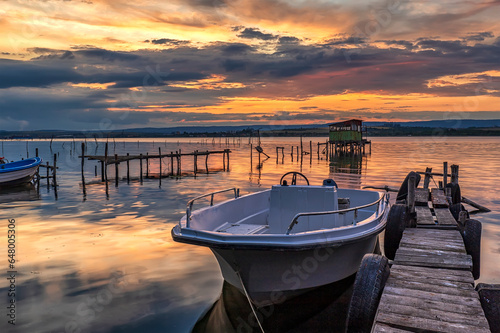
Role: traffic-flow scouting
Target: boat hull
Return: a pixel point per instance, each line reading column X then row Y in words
column 17, row 177
column 272, row 277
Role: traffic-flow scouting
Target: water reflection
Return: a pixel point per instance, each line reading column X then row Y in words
column 311, row 312
column 23, row 192
column 74, row 254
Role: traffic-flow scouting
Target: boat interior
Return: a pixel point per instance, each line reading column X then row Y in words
column 272, row 211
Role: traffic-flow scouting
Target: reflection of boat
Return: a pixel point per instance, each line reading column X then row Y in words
column 323, row 307
column 22, row 192
column 19, row 172
column 288, row 239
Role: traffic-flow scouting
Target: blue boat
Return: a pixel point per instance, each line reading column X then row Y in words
column 19, row 172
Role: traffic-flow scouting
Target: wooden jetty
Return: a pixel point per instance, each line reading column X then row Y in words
column 175, row 167
column 430, row 287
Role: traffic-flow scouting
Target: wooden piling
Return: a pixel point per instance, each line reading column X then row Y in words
column 116, row 170
column 411, row 192
column 54, row 171
column 195, row 162
column 159, row 165
column 83, row 175
column 427, row 178
column 454, row 174
column 224, row 160
column 48, row 176
column 36, row 152
column 140, row 166
column 180, row 162
column 128, row 169
column 227, row 153
column 147, row 165
column 251, row 155
column 171, row 163
column 445, row 173
column 206, row 162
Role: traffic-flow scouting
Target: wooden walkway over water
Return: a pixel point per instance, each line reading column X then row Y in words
column 431, row 287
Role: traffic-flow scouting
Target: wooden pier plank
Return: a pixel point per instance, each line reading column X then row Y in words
column 420, row 303
column 444, row 217
column 430, row 287
column 421, row 196
column 439, row 273
column 438, row 198
column 431, row 325
column 426, row 312
column 424, row 215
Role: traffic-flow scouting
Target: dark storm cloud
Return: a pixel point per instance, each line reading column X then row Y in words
column 235, row 48
column 294, row 70
column 107, row 55
column 252, row 33
column 33, row 74
column 479, row 37
column 168, row 41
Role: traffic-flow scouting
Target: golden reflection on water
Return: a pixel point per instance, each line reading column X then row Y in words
column 71, row 251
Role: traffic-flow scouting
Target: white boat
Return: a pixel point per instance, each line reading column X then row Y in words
column 281, row 242
column 19, row 172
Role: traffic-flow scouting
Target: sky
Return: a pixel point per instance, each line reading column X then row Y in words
column 114, row 64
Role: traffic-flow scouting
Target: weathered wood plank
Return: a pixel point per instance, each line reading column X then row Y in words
column 428, row 324
column 429, row 252
column 452, row 238
column 433, row 233
column 432, row 296
column 431, row 279
column 434, row 261
column 438, row 198
column 421, row 197
column 432, row 245
column 444, row 216
column 442, row 273
column 424, row 215
column 431, row 304
column 414, row 285
column 383, row 328
column 433, row 314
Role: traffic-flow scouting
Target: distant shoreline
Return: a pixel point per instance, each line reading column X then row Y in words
column 379, row 131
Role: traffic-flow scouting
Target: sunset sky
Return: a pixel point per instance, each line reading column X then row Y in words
column 113, row 64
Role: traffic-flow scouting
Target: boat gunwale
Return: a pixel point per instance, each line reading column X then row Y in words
column 19, row 165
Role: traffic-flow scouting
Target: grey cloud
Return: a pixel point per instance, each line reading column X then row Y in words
column 252, row 33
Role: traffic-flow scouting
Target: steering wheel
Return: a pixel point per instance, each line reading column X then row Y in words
column 294, row 178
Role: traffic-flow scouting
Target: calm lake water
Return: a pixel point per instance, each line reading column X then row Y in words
column 107, row 263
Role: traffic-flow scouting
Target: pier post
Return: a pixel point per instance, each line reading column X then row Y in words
column 445, row 174
column 310, row 152
column 195, row 162
column 140, row 166
column 301, row 147
column 251, row 156
column 48, row 176
column 102, row 171
column 147, row 165
column 54, row 171
column 224, row 160
column 106, row 169
column 206, row 161
column 427, row 178
column 180, row 162
column 159, row 166
column 227, row 159
column 128, row 168
column 116, row 170
column 411, row 192
column 83, row 176
column 454, row 174
column 36, row 152
column 171, row 163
